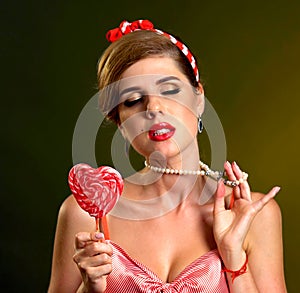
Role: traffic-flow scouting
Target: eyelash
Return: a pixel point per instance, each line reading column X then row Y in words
column 171, row 92
column 129, row 103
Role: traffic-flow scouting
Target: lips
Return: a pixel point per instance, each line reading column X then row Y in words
column 161, row 131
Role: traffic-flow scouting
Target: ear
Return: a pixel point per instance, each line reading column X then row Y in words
column 200, row 99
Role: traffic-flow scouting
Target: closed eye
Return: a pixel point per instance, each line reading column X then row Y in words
column 169, row 88
column 134, row 99
column 171, row 92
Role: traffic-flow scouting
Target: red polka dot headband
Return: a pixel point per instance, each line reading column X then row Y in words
column 126, row 27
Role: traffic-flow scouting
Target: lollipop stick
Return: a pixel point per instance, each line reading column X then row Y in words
column 97, row 225
column 105, row 228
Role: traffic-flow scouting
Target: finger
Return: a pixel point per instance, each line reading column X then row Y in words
column 101, row 259
column 94, row 250
column 95, row 273
column 219, row 203
column 258, row 205
column 83, row 238
column 244, row 186
column 231, row 176
column 95, row 261
column 97, row 236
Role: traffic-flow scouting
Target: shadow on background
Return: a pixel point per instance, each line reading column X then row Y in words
column 249, row 59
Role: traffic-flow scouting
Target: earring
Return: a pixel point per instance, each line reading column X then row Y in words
column 200, row 125
column 127, row 147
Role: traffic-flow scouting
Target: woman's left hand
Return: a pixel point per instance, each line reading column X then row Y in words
column 232, row 225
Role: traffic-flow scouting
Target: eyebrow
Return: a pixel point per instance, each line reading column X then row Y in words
column 128, row 90
column 167, row 78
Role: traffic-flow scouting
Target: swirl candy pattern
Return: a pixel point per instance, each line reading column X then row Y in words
column 95, row 190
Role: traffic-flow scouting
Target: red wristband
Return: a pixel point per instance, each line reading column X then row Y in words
column 241, row 271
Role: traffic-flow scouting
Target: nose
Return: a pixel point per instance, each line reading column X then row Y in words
column 154, row 106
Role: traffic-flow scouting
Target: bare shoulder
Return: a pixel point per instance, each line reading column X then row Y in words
column 65, row 276
column 69, row 206
column 267, row 224
column 265, row 247
column 71, row 214
column 270, row 211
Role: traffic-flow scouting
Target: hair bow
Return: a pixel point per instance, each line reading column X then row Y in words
column 127, row 27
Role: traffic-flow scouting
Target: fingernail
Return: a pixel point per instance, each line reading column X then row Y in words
column 99, row 235
column 236, row 165
column 277, row 189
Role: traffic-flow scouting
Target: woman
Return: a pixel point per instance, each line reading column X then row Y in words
column 231, row 242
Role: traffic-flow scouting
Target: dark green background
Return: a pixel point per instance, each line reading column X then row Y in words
column 249, row 59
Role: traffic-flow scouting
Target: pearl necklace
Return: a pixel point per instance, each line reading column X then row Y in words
column 204, row 171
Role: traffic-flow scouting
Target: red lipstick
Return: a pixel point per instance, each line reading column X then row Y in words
column 161, row 131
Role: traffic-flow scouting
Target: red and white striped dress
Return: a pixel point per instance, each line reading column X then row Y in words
column 130, row 276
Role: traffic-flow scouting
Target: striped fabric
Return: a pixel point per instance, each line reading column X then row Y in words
column 130, row 276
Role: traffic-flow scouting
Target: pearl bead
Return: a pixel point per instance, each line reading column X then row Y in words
column 204, row 171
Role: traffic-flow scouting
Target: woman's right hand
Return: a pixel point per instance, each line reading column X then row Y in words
column 93, row 258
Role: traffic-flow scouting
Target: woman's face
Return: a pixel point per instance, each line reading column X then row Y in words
column 158, row 107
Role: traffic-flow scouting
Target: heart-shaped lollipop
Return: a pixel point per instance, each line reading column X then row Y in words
column 96, row 190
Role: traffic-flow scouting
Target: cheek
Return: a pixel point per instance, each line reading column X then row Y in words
column 188, row 100
column 193, row 125
column 192, row 107
column 132, row 125
column 188, row 127
column 189, row 124
column 186, row 113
